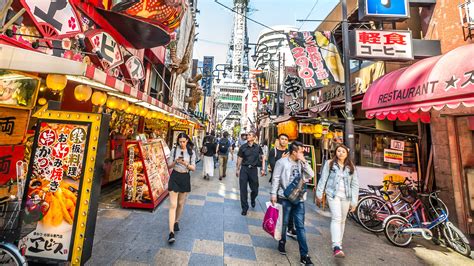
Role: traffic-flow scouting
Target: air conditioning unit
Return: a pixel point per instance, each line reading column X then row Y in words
column 466, row 13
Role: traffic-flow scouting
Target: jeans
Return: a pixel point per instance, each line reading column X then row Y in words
column 291, row 223
column 248, row 176
column 223, row 165
column 339, row 208
column 298, row 211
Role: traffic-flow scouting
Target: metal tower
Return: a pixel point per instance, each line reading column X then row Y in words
column 237, row 56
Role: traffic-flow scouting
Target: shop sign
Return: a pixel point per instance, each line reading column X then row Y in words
column 383, row 9
column 383, row 45
column 103, row 43
column 207, row 68
column 397, row 145
column 310, row 157
column 293, row 89
column 13, row 125
column 364, row 77
column 135, row 69
column 393, row 156
column 53, row 18
column 317, row 58
column 9, row 155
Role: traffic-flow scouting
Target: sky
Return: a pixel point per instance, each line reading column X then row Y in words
column 216, row 22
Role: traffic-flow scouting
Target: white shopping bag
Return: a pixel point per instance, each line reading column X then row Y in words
column 279, row 224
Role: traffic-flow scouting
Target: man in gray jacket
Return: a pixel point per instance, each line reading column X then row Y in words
column 286, row 170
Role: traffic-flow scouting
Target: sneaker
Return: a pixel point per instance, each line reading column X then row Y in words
column 306, row 260
column 281, row 247
column 220, row 178
column 244, row 213
column 176, row 227
column 291, row 233
column 338, row 253
column 253, row 204
column 171, row 238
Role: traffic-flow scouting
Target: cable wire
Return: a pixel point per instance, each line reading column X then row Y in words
column 309, row 14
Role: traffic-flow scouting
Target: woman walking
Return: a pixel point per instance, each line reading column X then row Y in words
column 340, row 182
column 182, row 161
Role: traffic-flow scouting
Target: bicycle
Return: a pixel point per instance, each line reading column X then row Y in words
column 400, row 230
column 10, row 225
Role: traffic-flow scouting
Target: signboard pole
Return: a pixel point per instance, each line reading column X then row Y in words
column 349, row 126
column 278, row 88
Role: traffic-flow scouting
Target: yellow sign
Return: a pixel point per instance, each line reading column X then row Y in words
column 393, row 156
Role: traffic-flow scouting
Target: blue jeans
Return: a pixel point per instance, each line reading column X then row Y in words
column 297, row 210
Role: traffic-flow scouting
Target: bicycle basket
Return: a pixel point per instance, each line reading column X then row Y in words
column 408, row 193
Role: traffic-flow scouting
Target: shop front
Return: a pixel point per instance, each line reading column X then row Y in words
column 438, row 91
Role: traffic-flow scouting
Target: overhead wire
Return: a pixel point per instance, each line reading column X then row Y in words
column 309, row 14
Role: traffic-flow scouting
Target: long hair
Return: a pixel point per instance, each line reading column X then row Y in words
column 347, row 162
column 189, row 145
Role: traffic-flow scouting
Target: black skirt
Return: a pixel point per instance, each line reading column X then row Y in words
column 179, row 182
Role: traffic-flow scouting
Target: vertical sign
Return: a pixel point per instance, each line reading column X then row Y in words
column 206, row 81
column 293, row 90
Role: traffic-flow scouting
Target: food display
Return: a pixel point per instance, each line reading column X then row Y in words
column 146, row 175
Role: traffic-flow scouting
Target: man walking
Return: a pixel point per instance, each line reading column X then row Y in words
column 249, row 158
column 223, row 148
column 293, row 167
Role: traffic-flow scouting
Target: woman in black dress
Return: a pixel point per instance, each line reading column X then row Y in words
column 182, row 160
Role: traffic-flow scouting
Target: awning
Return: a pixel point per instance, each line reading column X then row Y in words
column 31, row 61
column 411, row 92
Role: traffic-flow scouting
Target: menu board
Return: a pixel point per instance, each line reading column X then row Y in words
column 310, row 157
column 146, row 174
column 53, row 188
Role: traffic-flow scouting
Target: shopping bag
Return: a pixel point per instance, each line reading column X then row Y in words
column 273, row 220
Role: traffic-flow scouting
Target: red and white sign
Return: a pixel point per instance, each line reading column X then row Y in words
column 384, row 45
column 108, row 48
column 135, row 69
column 53, row 18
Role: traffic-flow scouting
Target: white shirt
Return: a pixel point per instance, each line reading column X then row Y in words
column 341, row 189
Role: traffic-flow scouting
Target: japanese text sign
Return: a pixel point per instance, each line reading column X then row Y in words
column 383, row 9
column 13, row 125
column 104, row 44
column 383, row 45
column 293, row 90
column 393, row 156
column 397, row 145
column 207, row 68
column 135, row 69
column 317, row 58
column 9, row 155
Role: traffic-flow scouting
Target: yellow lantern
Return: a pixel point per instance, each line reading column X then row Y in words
column 318, row 129
column 82, row 92
column 123, row 105
column 99, row 98
column 330, row 135
column 42, row 101
column 129, row 109
column 154, row 114
column 56, row 82
column 112, row 102
column 318, row 135
column 143, row 111
column 290, row 128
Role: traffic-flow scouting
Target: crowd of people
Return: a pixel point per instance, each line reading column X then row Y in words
column 289, row 172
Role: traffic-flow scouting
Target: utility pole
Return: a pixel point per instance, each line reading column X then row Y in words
column 279, row 87
column 349, row 125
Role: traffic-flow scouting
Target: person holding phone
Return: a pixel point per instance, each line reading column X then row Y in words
column 182, row 161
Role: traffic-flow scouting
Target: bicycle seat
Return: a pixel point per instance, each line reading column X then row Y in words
column 375, row 188
column 423, row 195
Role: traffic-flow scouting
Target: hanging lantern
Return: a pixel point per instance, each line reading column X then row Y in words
column 154, row 115
column 56, row 82
column 290, row 128
column 82, row 92
column 129, row 109
column 123, row 104
column 112, row 102
column 99, row 98
column 318, row 129
column 318, row 135
column 143, row 111
column 330, row 135
column 42, row 101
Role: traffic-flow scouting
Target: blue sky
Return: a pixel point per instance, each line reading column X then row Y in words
column 215, row 22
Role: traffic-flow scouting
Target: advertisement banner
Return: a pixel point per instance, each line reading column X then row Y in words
column 393, row 156
column 207, row 68
column 54, row 187
column 317, row 57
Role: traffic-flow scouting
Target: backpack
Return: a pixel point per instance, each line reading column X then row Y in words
column 224, row 146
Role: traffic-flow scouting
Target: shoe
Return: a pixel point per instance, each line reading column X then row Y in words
column 281, row 247
column 220, row 178
column 291, row 233
column 176, row 227
column 244, row 213
column 338, row 253
column 306, row 260
column 171, row 238
column 253, row 204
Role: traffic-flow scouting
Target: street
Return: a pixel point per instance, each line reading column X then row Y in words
column 213, row 232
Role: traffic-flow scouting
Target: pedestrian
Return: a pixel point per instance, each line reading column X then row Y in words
column 232, row 149
column 340, row 182
column 208, row 150
column 286, row 171
column 248, row 161
column 182, row 161
column 223, row 148
column 242, row 140
column 264, row 146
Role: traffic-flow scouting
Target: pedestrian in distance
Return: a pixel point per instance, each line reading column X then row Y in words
column 182, row 161
column 340, row 181
column 287, row 171
column 248, row 160
column 232, row 149
column 208, row 150
column 264, row 146
column 223, row 148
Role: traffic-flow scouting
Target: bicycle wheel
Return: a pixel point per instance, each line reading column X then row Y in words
column 456, row 239
column 371, row 211
column 10, row 255
column 394, row 231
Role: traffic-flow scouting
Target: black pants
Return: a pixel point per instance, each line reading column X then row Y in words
column 248, row 176
column 291, row 223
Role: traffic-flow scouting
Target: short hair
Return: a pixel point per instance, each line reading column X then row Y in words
column 226, row 135
column 294, row 146
column 283, row 134
column 252, row 133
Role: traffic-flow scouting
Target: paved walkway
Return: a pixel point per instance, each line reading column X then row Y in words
column 214, row 233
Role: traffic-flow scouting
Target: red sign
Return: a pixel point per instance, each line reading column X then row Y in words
column 105, row 46
column 9, row 155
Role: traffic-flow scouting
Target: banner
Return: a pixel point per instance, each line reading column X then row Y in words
column 317, row 57
column 206, row 81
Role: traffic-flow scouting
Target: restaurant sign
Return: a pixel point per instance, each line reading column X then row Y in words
column 105, row 46
column 383, row 45
column 293, row 90
column 135, row 69
column 383, row 10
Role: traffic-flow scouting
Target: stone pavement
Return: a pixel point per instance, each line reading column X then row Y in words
column 214, row 233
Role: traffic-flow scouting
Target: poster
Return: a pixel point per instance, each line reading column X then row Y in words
column 393, row 156
column 53, row 188
column 310, row 157
column 18, row 90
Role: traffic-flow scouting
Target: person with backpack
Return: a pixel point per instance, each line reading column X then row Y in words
column 182, row 161
column 223, row 148
column 208, row 150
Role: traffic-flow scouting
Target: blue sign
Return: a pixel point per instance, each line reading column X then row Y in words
column 207, row 68
column 387, row 9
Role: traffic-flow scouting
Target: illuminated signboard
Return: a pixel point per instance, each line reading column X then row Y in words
column 383, row 45
column 384, row 9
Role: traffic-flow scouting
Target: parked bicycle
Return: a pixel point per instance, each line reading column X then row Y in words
column 423, row 220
